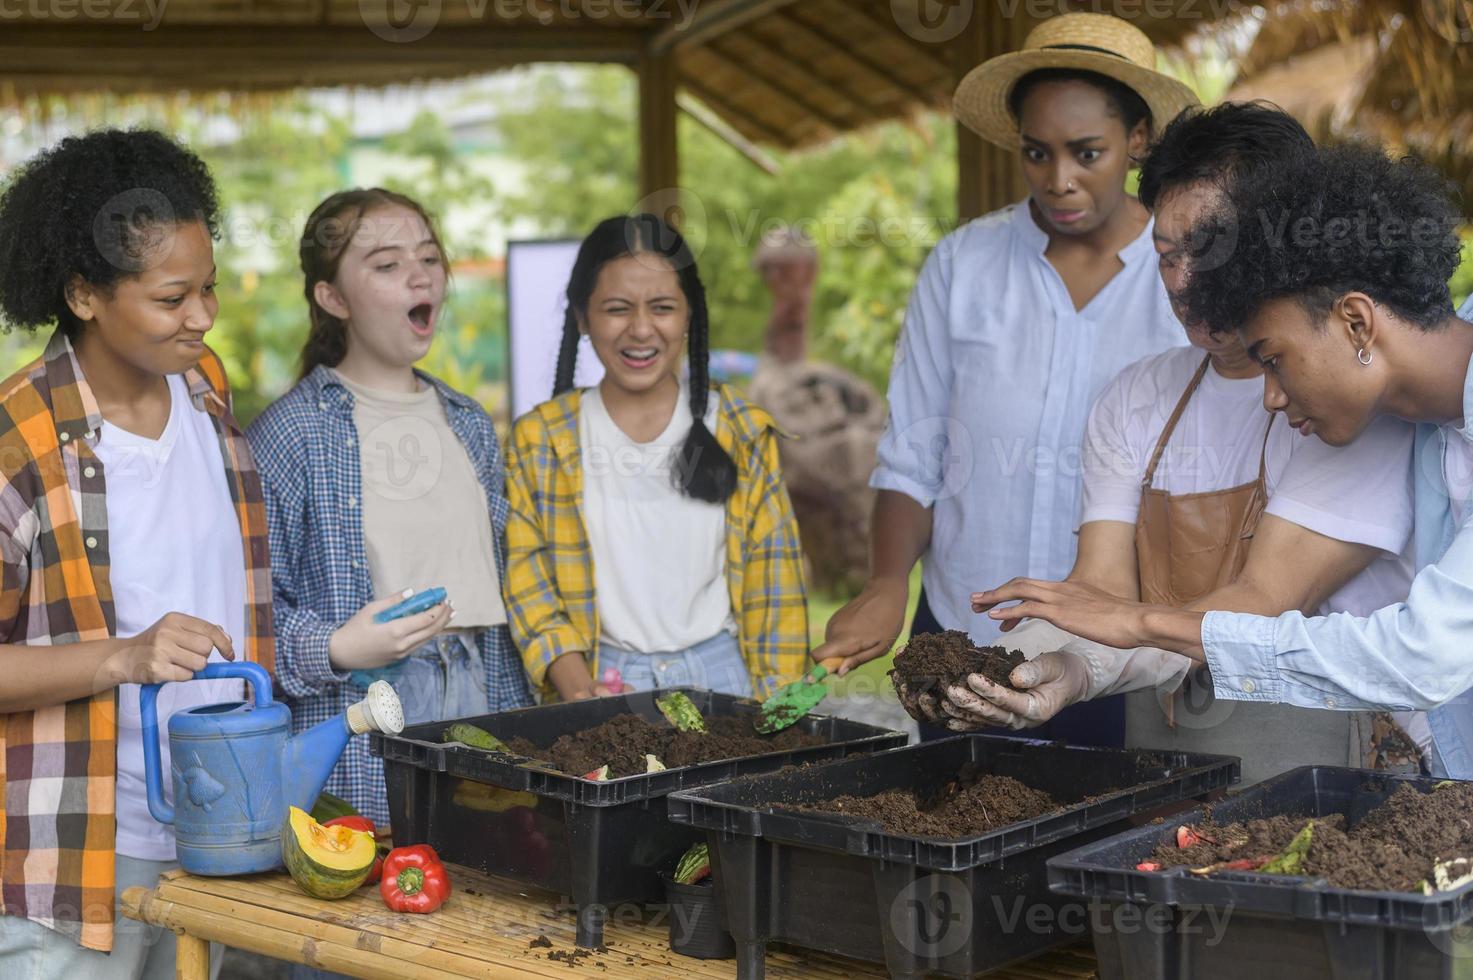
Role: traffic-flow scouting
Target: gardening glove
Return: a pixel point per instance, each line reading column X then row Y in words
column 923, row 706
column 1057, row 682
column 1048, row 683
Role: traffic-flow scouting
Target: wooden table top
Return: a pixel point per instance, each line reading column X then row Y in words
column 486, row 929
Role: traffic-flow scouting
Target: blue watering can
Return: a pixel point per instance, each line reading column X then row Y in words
column 237, row 769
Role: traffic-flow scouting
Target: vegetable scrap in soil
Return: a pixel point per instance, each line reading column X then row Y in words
column 932, row 662
column 973, row 803
column 1393, row 848
column 623, row 741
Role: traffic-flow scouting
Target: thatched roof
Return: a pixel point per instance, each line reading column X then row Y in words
column 786, row 73
column 1398, row 71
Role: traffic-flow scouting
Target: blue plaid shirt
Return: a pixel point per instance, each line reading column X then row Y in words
column 306, row 447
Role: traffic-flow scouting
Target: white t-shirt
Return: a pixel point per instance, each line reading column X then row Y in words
column 174, row 546
column 1360, row 493
column 659, row 557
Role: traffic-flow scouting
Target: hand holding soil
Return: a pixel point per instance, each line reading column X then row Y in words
column 933, row 662
column 1040, row 689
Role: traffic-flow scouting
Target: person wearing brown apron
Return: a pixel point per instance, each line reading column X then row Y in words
column 1341, row 518
column 1186, row 546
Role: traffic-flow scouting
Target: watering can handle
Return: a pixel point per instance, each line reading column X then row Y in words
column 148, row 697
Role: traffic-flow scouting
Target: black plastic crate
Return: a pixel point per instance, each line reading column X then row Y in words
column 1174, row 925
column 841, row 884
column 599, row 843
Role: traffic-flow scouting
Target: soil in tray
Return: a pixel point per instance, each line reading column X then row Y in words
column 1392, row 848
column 934, row 661
column 973, row 803
column 623, row 741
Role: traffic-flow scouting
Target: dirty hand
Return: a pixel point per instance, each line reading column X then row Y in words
column 1047, row 685
column 172, row 649
column 362, row 644
column 922, row 705
column 867, row 626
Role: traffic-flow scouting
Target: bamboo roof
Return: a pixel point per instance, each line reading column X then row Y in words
column 786, row 73
column 1399, row 72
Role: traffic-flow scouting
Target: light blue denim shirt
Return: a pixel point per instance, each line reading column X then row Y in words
column 994, row 375
column 1417, row 654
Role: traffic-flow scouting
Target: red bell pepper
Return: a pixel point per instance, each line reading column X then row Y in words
column 356, row 822
column 414, row 880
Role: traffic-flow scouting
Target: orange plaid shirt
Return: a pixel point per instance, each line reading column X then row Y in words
column 58, row 764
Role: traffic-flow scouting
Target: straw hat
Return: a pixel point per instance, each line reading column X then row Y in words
column 1091, row 42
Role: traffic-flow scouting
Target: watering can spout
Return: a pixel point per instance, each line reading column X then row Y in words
column 308, row 759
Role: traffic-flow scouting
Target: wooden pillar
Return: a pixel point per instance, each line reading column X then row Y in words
column 659, row 160
column 987, row 177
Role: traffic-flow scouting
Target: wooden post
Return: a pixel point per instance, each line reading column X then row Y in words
column 987, row 177
column 659, row 161
column 191, row 958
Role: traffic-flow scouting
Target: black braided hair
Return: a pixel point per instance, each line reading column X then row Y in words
column 703, row 470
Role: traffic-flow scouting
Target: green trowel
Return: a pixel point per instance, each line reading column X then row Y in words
column 795, row 700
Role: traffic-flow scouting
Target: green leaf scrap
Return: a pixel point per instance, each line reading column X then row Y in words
column 681, row 712
column 1289, row 862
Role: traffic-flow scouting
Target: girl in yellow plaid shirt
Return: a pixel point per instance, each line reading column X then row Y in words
column 650, row 536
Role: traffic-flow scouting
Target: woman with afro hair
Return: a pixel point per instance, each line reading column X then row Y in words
column 132, row 531
column 1337, row 283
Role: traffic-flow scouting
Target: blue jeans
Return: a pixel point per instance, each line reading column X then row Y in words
column 712, row 665
column 442, row 679
column 30, row 951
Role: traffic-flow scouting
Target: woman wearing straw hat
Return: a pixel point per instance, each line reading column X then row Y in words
column 1017, row 322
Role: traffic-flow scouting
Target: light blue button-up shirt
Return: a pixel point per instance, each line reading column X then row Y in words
column 1417, row 654
column 992, row 384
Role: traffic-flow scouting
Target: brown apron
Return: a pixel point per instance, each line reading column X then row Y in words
column 1186, row 546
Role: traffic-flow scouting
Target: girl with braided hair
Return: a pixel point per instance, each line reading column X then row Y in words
column 650, row 531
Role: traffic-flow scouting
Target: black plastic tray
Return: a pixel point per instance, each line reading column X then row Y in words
column 1174, row 924
column 599, row 843
column 843, row 885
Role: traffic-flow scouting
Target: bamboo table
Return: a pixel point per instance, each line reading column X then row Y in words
column 487, row 929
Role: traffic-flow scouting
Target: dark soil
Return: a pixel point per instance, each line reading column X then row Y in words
column 932, row 662
column 541, row 942
column 973, row 803
column 623, row 741
column 1393, row 848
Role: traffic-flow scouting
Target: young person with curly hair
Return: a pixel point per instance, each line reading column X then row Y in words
column 380, row 478
column 132, row 529
column 1338, row 287
column 650, row 529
